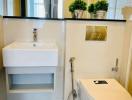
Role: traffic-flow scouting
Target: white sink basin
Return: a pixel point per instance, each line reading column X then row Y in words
column 21, row 54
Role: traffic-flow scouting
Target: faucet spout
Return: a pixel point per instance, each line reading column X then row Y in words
column 35, row 35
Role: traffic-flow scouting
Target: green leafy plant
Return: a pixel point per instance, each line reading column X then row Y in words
column 78, row 5
column 101, row 5
column 91, row 8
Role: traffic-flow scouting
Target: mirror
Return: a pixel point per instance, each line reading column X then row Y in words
column 32, row 8
column 56, row 8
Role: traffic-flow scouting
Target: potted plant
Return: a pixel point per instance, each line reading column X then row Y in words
column 92, row 11
column 77, row 8
column 101, row 9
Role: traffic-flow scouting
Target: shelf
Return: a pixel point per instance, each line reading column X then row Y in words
column 65, row 19
column 30, row 83
column 31, row 88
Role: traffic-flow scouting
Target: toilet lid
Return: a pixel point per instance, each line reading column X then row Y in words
column 111, row 91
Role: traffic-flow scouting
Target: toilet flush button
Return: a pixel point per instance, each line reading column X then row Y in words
column 96, row 81
column 100, row 82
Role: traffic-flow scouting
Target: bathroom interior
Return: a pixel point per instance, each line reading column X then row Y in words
column 48, row 52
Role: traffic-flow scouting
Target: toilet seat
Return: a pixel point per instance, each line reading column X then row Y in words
column 88, row 90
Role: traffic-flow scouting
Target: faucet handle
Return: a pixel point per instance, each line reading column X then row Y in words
column 34, row 30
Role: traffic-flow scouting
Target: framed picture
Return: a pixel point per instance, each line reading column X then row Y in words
column 96, row 33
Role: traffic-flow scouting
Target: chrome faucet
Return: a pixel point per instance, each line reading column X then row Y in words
column 35, row 37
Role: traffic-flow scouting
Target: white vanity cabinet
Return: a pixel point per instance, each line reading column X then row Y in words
column 31, row 80
column 31, row 70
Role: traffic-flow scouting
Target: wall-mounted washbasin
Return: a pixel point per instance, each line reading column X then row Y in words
column 21, row 54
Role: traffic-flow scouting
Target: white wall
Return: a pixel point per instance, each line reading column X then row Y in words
column 94, row 59
column 21, row 30
column 1, row 40
column 2, row 85
column 126, row 54
column 2, row 77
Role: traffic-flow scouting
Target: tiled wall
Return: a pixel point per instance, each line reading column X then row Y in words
column 93, row 59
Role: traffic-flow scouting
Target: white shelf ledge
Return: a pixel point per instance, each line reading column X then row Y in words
column 31, row 88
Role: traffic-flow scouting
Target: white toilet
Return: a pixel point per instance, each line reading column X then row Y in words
column 102, row 89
